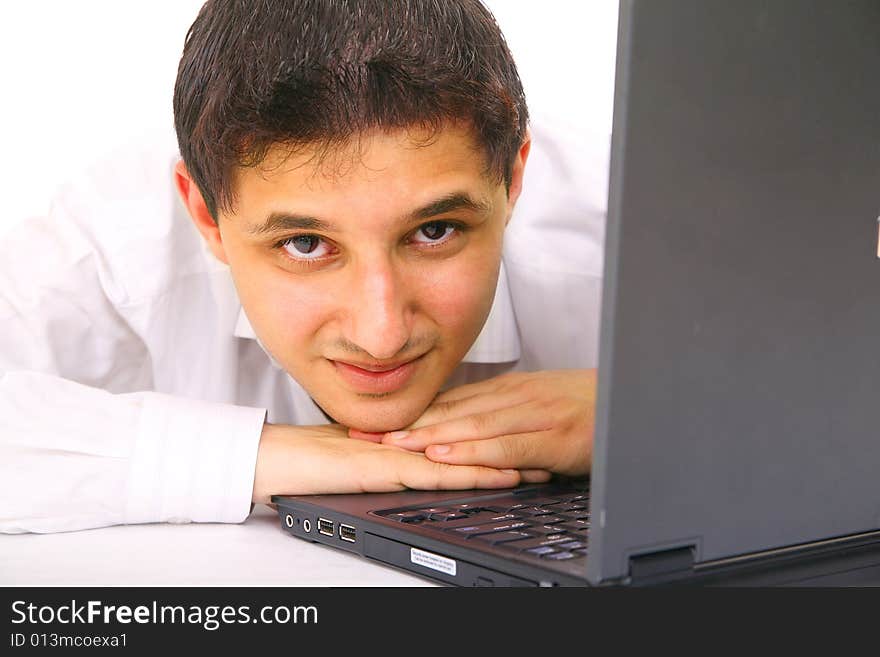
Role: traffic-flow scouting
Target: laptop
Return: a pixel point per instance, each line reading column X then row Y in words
column 738, row 425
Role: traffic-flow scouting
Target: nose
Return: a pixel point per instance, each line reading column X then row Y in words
column 379, row 321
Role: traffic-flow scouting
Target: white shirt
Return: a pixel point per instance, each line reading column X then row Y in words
column 132, row 386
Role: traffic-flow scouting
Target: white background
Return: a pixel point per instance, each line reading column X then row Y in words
column 82, row 77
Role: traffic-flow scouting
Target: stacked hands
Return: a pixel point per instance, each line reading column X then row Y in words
column 511, row 429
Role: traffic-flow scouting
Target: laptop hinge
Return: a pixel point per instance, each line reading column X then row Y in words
column 663, row 565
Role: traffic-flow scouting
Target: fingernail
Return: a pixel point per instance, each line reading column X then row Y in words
column 441, row 449
column 509, row 471
column 397, row 435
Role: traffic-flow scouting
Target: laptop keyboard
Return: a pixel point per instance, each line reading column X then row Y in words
column 548, row 526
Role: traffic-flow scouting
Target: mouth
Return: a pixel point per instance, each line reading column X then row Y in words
column 374, row 378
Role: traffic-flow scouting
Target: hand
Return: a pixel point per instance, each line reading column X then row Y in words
column 294, row 460
column 533, row 421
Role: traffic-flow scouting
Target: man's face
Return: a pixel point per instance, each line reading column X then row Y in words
column 369, row 273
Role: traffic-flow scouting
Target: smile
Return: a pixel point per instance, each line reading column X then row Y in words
column 374, row 379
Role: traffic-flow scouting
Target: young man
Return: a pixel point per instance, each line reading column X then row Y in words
column 352, row 311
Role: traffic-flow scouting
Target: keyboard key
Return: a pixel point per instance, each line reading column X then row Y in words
column 408, row 516
column 480, row 518
column 544, row 549
column 467, row 508
column 575, row 526
column 567, row 506
column 573, row 517
column 501, row 507
column 503, row 537
column 546, row 530
column 445, row 516
column 549, row 520
column 504, row 526
column 540, row 541
column 578, row 534
column 573, row 545
column 535, row 511
column 545, row 501
column 559, row 556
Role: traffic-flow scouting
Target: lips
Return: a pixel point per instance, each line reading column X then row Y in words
column 375, row 368
column 376, row 379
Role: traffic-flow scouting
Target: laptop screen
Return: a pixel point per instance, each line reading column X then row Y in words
column 739, row 360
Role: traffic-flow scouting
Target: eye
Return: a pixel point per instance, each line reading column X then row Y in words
column 306, row 247
column 433, row 232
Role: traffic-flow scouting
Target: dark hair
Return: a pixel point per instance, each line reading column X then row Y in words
column 304, row 72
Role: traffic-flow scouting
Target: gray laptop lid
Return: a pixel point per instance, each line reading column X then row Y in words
column 739, row 400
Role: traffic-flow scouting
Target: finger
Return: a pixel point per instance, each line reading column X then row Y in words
column 429, row 475
column 535, row 476
column 524, row 418
column 470, row 389
column 521, row 450
column 443, row 410
column 365, row 435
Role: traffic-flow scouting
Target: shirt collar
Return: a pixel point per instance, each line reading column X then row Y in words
column 498, row 342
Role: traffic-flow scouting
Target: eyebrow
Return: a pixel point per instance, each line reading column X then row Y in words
column 284, row 221
column 449, row 203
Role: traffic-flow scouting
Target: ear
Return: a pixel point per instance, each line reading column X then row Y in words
column 516, row 178
column 198, row 211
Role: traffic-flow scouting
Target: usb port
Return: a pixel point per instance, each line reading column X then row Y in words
column 347, row 533
column 325, row 527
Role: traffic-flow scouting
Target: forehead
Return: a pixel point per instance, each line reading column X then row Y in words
column 378, row 168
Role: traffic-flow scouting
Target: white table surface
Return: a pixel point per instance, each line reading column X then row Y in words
column 255, row 553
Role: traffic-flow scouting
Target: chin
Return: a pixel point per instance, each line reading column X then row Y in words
column 378, row 417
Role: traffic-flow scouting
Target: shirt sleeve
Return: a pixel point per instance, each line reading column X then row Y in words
column 83, row 441
column 75, row 457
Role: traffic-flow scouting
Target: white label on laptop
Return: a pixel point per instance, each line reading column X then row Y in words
column 432, row 561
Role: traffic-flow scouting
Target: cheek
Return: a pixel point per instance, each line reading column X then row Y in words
column 459, row 296
column 283, row 311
